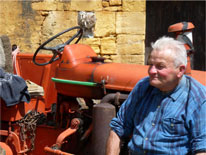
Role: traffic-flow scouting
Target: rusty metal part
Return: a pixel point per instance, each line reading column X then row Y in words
column 114, row 97
column 49, row 150
column 75, row 123
column 102, row 115
column 63, row 135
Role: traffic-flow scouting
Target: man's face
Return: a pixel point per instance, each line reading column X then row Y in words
column 163, row 74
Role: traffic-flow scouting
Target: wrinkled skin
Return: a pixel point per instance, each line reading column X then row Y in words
column 164, row 75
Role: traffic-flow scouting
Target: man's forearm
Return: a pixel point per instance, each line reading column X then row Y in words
column 113, row 144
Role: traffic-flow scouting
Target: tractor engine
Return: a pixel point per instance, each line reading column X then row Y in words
column 87, row 87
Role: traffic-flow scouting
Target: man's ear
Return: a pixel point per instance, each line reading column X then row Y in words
column 182, row 70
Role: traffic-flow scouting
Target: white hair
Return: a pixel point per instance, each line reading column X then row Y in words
column 178, row 49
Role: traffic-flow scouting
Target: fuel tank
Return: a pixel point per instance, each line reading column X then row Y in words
column 82, row 74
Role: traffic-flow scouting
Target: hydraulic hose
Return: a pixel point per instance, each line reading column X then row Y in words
column 74, row 82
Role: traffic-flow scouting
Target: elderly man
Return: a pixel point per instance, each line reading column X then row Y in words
column 166, row 112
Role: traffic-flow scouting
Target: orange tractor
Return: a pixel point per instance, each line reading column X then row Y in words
column 81, row 96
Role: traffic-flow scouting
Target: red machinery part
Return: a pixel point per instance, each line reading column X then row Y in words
column 51, row 151
column 5, row 149
column 183, row 32
column 60, row 141
column 77, row 63
column 12, row 138
column 63, row 135
column 179, row 27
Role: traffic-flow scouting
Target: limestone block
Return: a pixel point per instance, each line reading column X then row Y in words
column 113, row 8
column 130, row 44
column 94, row 43
column 130, row 23
column 105, row 24
column 9, row 18
column 108, row 45
column 115, row 2
column 45, row 5
column 116, row 58
column 90, row 41
column 65, row 5
column 86, row 5
column 30, row 48
column 133, row 48
column 129, row 59
column 58, row 21
column 35, row 37
column 105, row 3
column 133, row 59
column 107, row 58
column 20, row 24
column 128, row 39
column 134, row 5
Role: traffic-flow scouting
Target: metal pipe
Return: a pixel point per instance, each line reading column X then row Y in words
column 114, row 97
column 55, row 151
column 102, row 115
column 63, row 135
column 75, row 82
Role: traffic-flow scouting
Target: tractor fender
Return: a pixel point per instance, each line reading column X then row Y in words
column 5, row 149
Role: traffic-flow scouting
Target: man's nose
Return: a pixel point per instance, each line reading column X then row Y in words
column 152, row 69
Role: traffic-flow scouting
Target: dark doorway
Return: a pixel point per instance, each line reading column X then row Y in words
column 161, row 14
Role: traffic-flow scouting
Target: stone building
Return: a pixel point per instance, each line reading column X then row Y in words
column 118, row 34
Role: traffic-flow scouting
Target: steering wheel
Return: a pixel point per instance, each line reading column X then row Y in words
column 59, row 48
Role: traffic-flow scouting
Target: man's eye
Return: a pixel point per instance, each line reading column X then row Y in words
column 159, row 66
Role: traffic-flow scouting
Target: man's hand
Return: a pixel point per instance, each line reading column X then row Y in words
column 113, row 144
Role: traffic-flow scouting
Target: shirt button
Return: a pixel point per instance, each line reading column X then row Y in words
column 158, row 106
column 172, row 125
column 153, row 124
column 146, row 138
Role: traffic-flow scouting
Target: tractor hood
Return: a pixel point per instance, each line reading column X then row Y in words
column 82, row 72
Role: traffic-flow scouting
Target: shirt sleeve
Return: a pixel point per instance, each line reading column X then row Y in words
column 122, row 124
column 198, row 129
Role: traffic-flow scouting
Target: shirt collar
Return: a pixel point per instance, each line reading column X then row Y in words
column 179, row 89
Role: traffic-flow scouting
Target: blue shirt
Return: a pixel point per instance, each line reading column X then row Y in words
column 173, row 123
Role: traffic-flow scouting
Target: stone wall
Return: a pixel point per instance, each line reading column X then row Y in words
column 119, row 32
